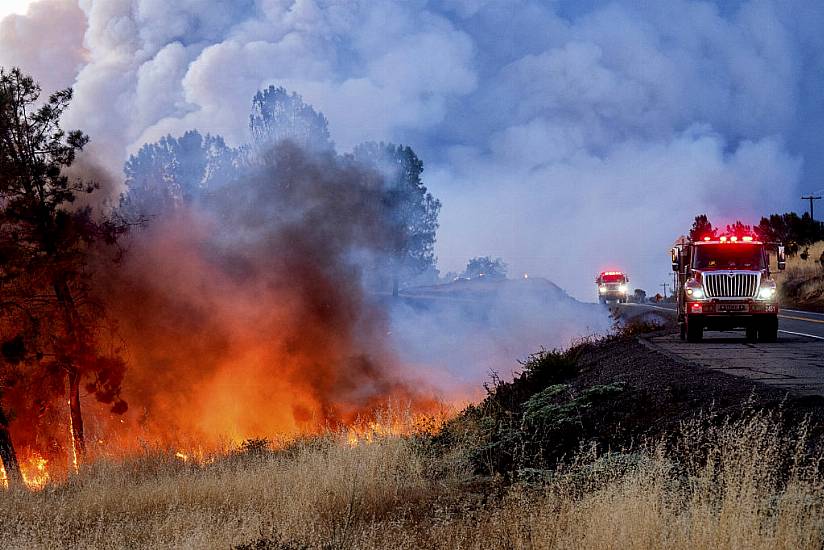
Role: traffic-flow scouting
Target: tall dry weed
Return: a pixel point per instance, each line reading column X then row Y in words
column 744, row 484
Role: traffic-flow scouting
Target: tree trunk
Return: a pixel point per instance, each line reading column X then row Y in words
column 7, row 454
column 70, row 317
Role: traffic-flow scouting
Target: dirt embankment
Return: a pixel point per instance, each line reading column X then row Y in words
column 611, row 394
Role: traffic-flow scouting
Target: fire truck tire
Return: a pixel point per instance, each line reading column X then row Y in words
column 768, row 331
column 695, row 332
column 752, row 332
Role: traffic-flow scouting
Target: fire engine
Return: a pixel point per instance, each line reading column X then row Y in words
column 724, row 283
column 613, row 286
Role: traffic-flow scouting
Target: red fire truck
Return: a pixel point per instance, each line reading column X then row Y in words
column 613, row 286
column 724, row 283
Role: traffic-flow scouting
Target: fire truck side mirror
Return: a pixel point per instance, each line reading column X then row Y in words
column 676, row 260
column 781, row 259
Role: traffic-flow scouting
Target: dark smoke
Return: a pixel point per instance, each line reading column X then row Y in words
column 244, row 312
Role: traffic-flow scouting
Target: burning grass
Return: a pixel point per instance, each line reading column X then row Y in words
column 577, row 451
column 749, row 486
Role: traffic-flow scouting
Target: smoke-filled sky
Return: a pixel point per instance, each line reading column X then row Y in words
column 13, row 6
column 566, row 137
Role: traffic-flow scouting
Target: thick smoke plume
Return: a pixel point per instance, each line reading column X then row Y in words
column 535, row 117
column 244, row 313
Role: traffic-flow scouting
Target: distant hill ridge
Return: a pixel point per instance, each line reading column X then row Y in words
column 533, row 288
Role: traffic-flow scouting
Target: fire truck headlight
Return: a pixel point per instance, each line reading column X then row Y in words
column 696, row 293
column 694, row 290
column 622, row 289
column 602, row 289
column 767, row 290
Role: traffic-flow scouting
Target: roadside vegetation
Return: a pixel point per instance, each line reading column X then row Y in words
column 801, row 285
column 601, row 446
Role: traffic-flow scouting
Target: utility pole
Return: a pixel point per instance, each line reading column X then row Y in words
column 664, row 285
column 810, row 198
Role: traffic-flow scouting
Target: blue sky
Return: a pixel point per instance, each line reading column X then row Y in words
column 566, row 137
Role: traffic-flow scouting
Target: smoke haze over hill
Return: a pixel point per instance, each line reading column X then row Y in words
column 565, row 137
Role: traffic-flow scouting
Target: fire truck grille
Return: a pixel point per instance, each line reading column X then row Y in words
column 731, row 285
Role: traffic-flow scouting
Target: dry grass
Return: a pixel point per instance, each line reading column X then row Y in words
column 802, row 284
column 740, row 486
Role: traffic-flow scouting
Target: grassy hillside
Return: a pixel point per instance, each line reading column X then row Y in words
column 604, row 446
column 802, row 284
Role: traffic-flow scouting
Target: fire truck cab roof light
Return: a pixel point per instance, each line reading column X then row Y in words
column 732, row 239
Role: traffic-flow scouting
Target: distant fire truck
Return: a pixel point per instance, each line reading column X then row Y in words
column 724, row 283
column 613, row 286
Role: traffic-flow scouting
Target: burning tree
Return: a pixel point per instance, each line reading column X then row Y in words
column 50, row 320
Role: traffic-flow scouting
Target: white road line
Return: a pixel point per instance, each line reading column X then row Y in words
column 801, row 334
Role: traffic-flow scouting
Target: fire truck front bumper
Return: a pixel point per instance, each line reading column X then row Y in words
column 729, row 315
column 728, row 309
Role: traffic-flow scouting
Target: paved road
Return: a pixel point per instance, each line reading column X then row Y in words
column 795, row 362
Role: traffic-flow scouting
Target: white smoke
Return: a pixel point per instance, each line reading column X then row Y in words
column 562, row 136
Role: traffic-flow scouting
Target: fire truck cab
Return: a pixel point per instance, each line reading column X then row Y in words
column 724, row 283
column 613, row 286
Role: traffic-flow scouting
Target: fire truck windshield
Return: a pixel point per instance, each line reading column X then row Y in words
column 729, row 256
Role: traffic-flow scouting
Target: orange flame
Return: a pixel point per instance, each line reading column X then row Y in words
column 394, row 425
column 72, row 446
column 34, row 471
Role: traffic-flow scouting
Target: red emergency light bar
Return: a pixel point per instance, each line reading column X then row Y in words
column 612, row 273
column 731, row 239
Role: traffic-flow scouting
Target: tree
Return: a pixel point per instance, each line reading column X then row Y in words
column 774, row 228
column 701, row 228
column 739, row 229
column 640, row 296
column 49, row 316
column 792, row 230
column 409, row 205
column 277, row 115
column 486, row 267
column 176, row 171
